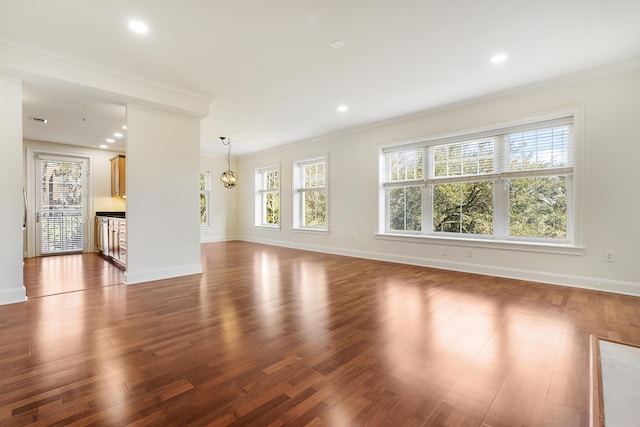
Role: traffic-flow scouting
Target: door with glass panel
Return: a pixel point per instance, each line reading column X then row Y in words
column 61, row 214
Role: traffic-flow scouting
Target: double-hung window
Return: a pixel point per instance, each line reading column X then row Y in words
column 267, row 201
column 205, row 197
column 404, row 184
column 513, row 183
column 310, row 194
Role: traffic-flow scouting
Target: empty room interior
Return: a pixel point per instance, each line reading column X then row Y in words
column 363, row 213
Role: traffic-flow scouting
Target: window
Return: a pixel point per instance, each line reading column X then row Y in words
column 515, row 183
column 310, row 194
column 404, row 195
column 268, row 197
column 205, row 197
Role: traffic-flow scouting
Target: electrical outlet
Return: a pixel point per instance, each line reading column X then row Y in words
column 350, row 236
column 443, row 251
column 468, row 253
column 609, row 256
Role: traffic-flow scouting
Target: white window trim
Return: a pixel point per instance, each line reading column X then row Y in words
column 260, row 191
column 574, row 220
column 296, row 191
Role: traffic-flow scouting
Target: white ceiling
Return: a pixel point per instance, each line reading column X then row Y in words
column 276, row 79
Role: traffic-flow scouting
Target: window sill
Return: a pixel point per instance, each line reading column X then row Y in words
column 564, row 249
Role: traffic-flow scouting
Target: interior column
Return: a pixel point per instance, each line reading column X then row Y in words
column 163, row 164
column 11, row 175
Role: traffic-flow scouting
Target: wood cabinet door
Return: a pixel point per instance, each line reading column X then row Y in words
column 118, row 177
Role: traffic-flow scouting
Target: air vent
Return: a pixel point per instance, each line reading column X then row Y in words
column 38, row 119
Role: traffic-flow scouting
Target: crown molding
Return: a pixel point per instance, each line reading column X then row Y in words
column 28, row 58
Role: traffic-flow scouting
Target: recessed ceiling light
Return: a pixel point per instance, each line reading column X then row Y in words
column 118, row 135
column 138, row 27
column 111, row 140
column 497, row 59
column 103, row 146
column 342, row 108
column 337, row 44
column 124, row 127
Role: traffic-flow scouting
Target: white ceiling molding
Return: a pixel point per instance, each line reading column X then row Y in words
column 125, row 87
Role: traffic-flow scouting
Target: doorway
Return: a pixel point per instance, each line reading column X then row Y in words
column 61, row 204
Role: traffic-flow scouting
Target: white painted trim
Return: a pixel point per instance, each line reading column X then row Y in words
column 296, row 190
column 583, row 282
column 511, row 245
column 167, row 273
column 213, row 239
column 128, row 87
column 13, row 296
column 30, row 162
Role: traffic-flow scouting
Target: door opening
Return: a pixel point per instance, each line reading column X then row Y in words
column 61, row 212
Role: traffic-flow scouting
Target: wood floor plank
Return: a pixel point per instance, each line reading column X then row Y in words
column 272, row 336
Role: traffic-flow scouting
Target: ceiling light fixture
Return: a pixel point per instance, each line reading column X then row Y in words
column 118, row 135
column 103, row 146
column 138, row 27
column 124, row 127
column 343, row 108
column 110, row 140
column 499, row 58
column 228, row 178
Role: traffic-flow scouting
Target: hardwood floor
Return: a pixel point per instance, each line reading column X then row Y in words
column 51, row 275
column 275, row 336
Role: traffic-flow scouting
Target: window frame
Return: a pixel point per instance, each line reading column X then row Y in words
column 206, row 192
column 572, row 243
column 261, row 191
column 298, row 193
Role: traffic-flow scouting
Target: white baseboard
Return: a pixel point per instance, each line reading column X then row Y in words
column 584, row 282
column 165, row 273
column 13, row 296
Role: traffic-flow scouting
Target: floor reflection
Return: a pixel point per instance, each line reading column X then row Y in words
column 310, row 297
column 50, row 275
column 278, row 335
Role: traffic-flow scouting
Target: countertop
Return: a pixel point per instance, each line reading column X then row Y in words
column 112, row 214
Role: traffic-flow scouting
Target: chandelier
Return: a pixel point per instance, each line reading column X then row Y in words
column 228, row 178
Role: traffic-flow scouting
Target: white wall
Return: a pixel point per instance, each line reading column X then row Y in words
column 223, row 223
column 11, row 215
column 611, row 103
column 99, row 182
column 163, row 164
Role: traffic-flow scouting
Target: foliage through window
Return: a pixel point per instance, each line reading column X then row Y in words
column 310, row 194
column 268, row 196
column 514, row 183
column 62, row 204
column 205, row 197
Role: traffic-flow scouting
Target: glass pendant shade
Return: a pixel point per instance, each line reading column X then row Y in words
column 228, row 178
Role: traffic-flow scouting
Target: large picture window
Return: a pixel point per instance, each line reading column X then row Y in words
column 513, row 183
column 310, row 194
column 268, row 196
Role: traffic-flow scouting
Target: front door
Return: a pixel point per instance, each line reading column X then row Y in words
column 61, row 215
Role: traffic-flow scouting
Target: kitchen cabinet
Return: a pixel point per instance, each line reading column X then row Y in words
column 118, row 176
column 122, row 242
column 114, row 245
column 111, row 236
column 118, row 240
column 99, row 235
